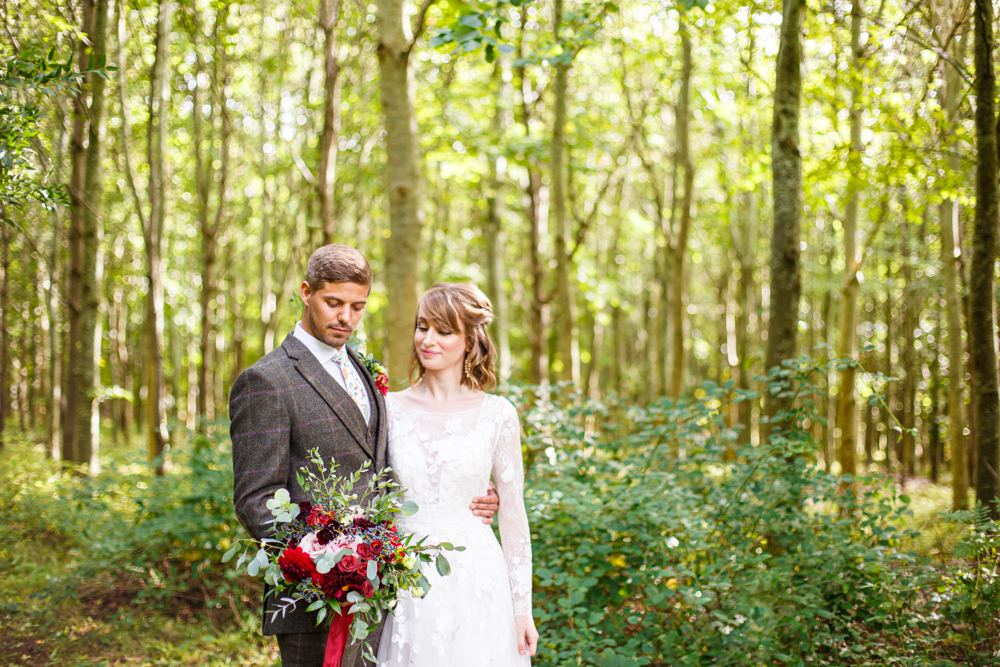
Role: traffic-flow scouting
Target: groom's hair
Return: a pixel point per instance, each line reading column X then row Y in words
column 338, row 263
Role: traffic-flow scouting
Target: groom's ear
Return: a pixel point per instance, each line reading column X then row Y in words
column 304, row 291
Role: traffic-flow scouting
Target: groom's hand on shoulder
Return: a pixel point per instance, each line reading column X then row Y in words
column 486, row 506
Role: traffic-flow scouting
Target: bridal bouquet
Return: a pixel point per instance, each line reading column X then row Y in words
column 341, row 555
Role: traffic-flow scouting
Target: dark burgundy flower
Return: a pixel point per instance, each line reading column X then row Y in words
column 333, row 584
column 365, row 551
column 293, row 542
column 367, row 589
column 296, row 564
column 348, row 564
column 305, row 507
column 363, row 524
column 325, row 536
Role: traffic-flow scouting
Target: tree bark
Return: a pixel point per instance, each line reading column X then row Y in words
column 566, row 365
column 4, row 322
column 933, row 456
column 402, row 182
column 494, row 227
column 685, row 173
column 982, row 332
column 911, row 367
column 326, row 175
column 78, row 385
column 950, row 266
column 159, row 105
column 847, row 411
column 786, row 171
column 53, row 398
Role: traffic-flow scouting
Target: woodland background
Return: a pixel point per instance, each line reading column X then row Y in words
column 733, row 248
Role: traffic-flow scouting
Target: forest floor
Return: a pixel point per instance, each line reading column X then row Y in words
column 51, row 615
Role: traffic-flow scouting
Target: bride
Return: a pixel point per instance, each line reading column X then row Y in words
column 446, row 435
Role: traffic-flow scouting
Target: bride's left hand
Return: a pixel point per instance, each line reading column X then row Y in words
column 527, row 636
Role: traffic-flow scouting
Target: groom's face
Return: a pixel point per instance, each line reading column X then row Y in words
column 334, row 310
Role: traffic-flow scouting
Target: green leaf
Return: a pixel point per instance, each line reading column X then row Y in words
column 316, row 605
column 228, row 556
column 409, row 508
column 372, row 571
column 443, row 567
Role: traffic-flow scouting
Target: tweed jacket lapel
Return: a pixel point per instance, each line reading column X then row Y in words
column 329, row 389
column 378, row 408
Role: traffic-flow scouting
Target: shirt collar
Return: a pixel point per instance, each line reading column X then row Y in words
column 323, row 352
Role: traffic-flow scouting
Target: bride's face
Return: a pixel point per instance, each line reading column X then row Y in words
column 438, row 348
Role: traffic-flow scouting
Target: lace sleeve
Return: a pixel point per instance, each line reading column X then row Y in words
column 508, row 476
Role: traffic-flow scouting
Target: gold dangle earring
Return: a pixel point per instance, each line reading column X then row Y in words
column 468, row 366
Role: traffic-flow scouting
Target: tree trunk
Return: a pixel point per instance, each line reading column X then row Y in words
column 329, row 14
column 402, row 262
column 53, row 398
column 494, row 227
column 982, row 332
column 78, row 384
column 911, row 368
column 566, row 365
column 4, row 322
column 159, row 105
column 933, row 425
column 950, row 266
column 685, row 173
column 532, row 197
column 847, row 411
column 786, row 170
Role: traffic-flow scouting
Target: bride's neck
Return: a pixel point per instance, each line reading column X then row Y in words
column 442, row 386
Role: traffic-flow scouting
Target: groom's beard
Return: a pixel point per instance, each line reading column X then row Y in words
column 322, row 331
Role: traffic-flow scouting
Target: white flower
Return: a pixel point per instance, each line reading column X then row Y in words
column 672, row 542
column 418, row 592
column 725, row 629
column 740, row 619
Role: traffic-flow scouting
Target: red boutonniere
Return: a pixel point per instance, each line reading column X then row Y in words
column 378, row 372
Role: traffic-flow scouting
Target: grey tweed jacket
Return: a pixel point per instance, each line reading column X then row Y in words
column 281, row 407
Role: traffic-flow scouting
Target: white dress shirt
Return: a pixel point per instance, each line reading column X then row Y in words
column 324, row 354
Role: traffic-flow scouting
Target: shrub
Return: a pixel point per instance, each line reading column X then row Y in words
column 656, row 542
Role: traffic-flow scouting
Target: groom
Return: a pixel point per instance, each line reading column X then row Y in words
column 312, row 392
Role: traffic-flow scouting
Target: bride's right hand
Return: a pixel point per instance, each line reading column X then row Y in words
column 527, row 636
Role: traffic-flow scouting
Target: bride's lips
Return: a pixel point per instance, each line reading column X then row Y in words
column 428, row 353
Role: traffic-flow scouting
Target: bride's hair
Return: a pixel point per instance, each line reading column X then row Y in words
column 461, row 307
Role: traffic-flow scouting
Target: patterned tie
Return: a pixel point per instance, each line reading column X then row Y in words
column 354, row 385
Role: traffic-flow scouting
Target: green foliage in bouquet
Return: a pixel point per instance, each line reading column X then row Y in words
column 340, row 552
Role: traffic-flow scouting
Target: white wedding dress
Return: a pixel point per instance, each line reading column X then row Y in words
column 444, row 460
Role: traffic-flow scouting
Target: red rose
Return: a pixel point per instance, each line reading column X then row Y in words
column 314, row 514
column 325, row 519
column 367, row 589
column 376, row 547
column 362, row 523
column 366, row 551
column 296, row 564
column 382, row 383
column 333, row 584
column 348, row 564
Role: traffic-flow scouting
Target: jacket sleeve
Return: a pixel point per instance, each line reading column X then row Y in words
column 260, row 432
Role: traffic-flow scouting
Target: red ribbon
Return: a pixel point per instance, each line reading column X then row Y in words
column 336, row 642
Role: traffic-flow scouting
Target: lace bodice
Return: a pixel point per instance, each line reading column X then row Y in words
column 444, row 460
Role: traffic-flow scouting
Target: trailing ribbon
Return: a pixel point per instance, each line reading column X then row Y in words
column 336, row 641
